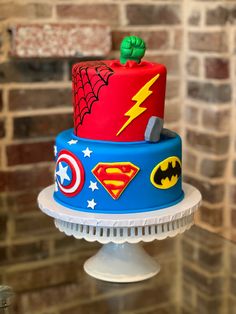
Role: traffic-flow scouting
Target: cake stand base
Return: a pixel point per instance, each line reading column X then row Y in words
column 121, row 263
column 121, row 259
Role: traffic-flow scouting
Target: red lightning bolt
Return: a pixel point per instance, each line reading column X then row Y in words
column 141, row 95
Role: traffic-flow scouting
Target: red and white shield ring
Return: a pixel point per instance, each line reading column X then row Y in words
column 77, row 171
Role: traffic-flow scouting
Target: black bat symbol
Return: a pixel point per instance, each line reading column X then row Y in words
column 168, row 173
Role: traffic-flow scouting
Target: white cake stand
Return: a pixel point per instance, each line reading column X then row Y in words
column 121, row 258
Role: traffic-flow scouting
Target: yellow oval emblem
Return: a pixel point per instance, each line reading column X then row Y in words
column 166, row 173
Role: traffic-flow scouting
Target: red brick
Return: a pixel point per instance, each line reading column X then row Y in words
column 31, row 71
column 214, row 305
column 66, row 244
column 3, row 255
column 138, row 301
column 42, row 277
column 25, row 179
column 212, row 193
column 42, row 299
column 11, row 9
column 112, row 304
column 154, row 39
column 178, row 39
column 232, row 236
column 232, row 303
column 207, row 142
column 194, row 18
column 1, row 101
column 208, row 284
column 233, row 218
column 218, row 120
column 28, row 99
column 188, row 297
column 208, row 41
column 172, row 89
column 212, row 217
column 1, row 43
column 193, row 65
column 3, row 226
column 213, row 168
column 106, row 306
column 166, row 249
column 4, row 181
column 33, row 225
column 191, row 115
column 22, row 201
column 172, row 111
column 233, row 194
column 205, row 239
column 190, row 161
column 171, row 62
column 145, row 14
column 60, row 40
column 28, row 252
column 217, row 16
column 235, row 46
column 221, row 15
column 217, row 68
column 206, row 258
column 41, row 126
column 26, row 153
column 2, row 128
column 232, row 287
column 3, row 203
column 209, row 92
column 102, row 12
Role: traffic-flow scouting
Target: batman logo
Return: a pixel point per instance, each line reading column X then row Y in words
column 166, row 173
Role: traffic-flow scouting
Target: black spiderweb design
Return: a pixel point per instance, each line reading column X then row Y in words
column 87, row 81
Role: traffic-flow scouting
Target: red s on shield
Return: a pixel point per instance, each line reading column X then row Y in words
column 115, row 176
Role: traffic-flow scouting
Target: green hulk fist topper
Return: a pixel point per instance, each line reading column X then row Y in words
column 132, row 48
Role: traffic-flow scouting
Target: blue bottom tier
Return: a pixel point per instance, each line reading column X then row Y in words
column 108, row 177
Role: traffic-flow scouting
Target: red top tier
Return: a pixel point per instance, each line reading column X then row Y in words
column 113, row 102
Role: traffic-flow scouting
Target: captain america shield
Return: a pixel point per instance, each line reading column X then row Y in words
column 69, row 173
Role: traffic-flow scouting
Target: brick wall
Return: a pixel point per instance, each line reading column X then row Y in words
column 209, row 120
column 205, row 273
column 197, row 42
column 35, row 104
column 35, row 101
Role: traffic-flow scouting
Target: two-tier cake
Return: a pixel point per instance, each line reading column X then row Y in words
column 118, row 158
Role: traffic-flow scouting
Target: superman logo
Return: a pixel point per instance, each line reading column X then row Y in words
column 115, row 176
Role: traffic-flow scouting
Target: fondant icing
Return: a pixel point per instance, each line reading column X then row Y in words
column 113, row 102
column 118, row 158
column 118, row 177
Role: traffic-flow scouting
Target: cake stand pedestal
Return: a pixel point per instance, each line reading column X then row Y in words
column 122, row 259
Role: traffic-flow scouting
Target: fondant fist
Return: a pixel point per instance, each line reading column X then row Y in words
column 132, row 48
